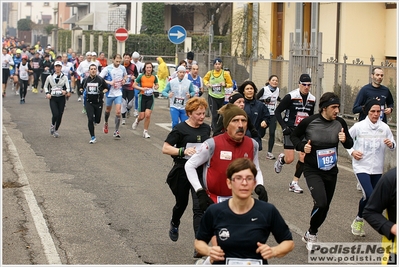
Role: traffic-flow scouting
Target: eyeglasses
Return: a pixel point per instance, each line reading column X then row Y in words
column 240, row 179
column 306, row 84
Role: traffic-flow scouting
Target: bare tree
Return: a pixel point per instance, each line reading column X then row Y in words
column 220, row 11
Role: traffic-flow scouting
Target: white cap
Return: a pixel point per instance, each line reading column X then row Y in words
column 88, row 53
column 58, row 63
column 135, row 55
column 93, row 53
column 181, row 68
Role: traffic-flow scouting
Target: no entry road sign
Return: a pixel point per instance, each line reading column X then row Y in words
column 121, row 34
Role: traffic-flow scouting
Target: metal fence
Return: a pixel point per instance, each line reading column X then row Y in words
column 345, row 79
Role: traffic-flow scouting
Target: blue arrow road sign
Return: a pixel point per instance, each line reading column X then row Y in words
column 177, row 34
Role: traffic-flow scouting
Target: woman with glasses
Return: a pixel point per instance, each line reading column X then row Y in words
column 242, row 220
column 296, row 105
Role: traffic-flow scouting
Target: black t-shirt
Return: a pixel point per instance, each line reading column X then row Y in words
column 183, row 133
column 238, row 234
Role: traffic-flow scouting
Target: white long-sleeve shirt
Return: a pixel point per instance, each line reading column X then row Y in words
column 6, row 61
column 369, row 139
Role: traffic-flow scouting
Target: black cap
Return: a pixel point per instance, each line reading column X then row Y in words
column 368, row 105
column 305, row 78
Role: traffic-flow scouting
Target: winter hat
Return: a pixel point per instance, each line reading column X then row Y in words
column 234, row 97
column 181, row 68
column 190, row 55
column 135, row 55
column 230, row 112
column 369, row 103
column 217, row 60
column 305, row 78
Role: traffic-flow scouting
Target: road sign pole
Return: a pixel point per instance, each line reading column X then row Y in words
column 176, row 57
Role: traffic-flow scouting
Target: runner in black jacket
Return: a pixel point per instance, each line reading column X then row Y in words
column 95, row 87
column 296, row 105
column 322, row 133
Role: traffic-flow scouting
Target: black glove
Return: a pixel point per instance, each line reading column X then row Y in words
column 203, row 199
column 261, row 192
column 287, row 131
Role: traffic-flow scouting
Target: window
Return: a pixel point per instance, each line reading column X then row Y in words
column 46, row 3
column 28, row 3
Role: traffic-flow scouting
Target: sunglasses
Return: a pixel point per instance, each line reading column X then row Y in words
column 306, row 84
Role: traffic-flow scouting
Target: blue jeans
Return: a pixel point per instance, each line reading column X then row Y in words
column 177, row 114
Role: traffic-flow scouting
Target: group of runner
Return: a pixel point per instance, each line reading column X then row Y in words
column 201, row 161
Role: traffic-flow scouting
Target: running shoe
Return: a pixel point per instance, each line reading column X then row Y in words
column 21, row 101
column 105, row 129
column 278, row 165
column 123, row 121
column 84, row 110
column 136, row 113
column 128, row 113
column 79, row 99
column 52, row 130
column 270, row 156
column 310, row 240
column 56, row 134
column 16, row 93
column 145, row 134
column 116, row 134
column 135, row 124
column 92, row 140
column 357, row 228
column 41, row 90
column 34, row 90
column 294, row 187
column 173, row 232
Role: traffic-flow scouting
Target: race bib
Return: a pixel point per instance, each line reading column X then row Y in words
column 118, row 84
column 326, row 158
column 227, row 94
column 299, row 117
column 226, row 155
column 148, row 92
column 243, row 262
column 129, row 79
column 178, row 101
column 92, row 88
column 217, row 89
column 56, row 91
column 221, row 199
column 36, row 65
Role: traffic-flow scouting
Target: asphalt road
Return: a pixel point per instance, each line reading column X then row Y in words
column 68, row 202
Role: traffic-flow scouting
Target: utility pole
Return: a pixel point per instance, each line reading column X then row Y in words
column 250, row 9
column 210, row 42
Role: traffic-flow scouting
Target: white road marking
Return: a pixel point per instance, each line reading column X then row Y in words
column 47, row 242
column 166, row 126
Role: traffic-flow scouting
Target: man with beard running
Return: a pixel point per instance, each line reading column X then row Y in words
column 127, row 88
column 115, row 75
column 216, row 153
